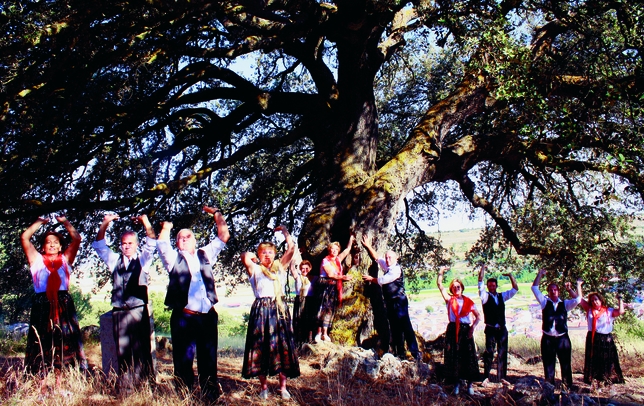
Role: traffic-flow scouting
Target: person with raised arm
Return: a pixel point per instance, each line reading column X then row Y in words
column 270, row 344
column 130, row 316
column 496, row 334
column 393, row 289
column 304, row 304
column 460, row 361
column 601, row 361
column 54, row 338
column 555, row 342
column 192, row 297
column 329, row 287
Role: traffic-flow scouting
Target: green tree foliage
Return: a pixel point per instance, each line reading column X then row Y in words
column 329, row 116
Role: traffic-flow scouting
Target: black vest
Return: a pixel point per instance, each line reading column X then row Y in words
column 394, row 290
column 558, row 316
column 129, row 286
column 179, row 281
column 494, row 313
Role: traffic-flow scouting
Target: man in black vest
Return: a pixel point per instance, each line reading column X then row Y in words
column 393, row 290
column 496, row 334
column 192, row 297
column 555, row 342
column 130, row 316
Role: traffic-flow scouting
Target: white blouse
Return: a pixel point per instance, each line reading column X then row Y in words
column 262, row 285
column 604, row 322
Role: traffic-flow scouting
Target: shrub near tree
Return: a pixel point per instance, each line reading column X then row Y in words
column 331, row 117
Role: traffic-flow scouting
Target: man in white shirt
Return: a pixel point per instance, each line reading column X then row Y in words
column 496, row 334
column 555, row 342
column 130, row 317
column 192, row 297
column 396, row 302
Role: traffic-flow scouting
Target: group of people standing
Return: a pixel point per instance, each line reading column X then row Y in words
column 54, row 338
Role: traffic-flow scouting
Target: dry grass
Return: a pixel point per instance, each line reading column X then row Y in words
column 314, row 387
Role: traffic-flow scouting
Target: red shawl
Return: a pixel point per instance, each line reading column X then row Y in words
column 338, row 265
column 53, row 285
column 467, row 308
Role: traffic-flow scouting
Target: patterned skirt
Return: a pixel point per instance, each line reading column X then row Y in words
column 326, row 293
column 601, row 360
column 304, row 313
column 460, row 359
column 270, row 346
column 58, row 345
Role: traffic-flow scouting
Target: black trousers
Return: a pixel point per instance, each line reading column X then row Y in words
column 131, row 328
column 496, row 339
column 553, row 348
column 190, row 333
column 400, row 326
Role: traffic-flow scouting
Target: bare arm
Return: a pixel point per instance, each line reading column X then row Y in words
column 107, row 220
column 439, row 282
column 73, row 247
column 620, row 310
column 513, row 281
column 482, row 272
column 290, row 245
column 25, row 239
column 249, row 259
column 222, row 228
column 365, row 243
column 347, row 250
column 477, row 319
column 166, row 227
column 149, row 230
column 537, row 279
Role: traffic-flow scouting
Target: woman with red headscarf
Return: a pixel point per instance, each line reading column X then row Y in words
column 460, row 362
column 601, row 360
column 54, row 337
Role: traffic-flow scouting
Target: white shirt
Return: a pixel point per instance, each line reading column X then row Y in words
column 263, row 286
column 543, row 300
column 391, row 273
column 485, row 295
column 197, row 295
column 604, row 322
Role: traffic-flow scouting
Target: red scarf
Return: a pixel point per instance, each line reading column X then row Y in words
column 467, row 308
column 596, row 315
column 338, row 265
column 53, row 285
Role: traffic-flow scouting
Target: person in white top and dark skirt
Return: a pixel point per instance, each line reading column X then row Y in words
column 270, row 345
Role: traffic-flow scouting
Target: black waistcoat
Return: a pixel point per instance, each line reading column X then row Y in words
column 129, row 286
column 179, row 281
column 494, row 313
column 558, row 316
column 394, row 290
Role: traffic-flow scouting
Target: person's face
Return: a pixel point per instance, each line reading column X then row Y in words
column 491, row 287
column 52, row 245
column 266, row 256
column 457, row 290
column 129, row 245
column 391, row 258
column 596, row 303
column 334, row 250
column 553, row 292
column 186, row 241
column 305, row 269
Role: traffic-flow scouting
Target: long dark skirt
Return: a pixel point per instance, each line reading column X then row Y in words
column 270, row 346
column 326, row 293
column 460, row 359
column 304, row 314
column 601, row 360
column 49, row 345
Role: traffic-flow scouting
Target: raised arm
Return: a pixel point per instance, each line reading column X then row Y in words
column 365, row 243
column 482, row 272
column 222, row 228
column 107, row 220
column 25, row 239
column 620, row 309
column 166, row 227
column 249, row 259
column 439, row 282
column 513, row 281
column 537, row 278
column 149, row 230
column 73, row 247
column 290, row 245
column 294, row 264
column 347, row 250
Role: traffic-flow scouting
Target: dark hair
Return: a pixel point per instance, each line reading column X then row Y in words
column 492, row 280
column 59, row 236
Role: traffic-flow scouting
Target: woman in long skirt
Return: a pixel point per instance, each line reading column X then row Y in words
column 54, row 338
column 270, row 345
column 328, row 289
column 460, row 360
column 601, row 359
column 304, row 305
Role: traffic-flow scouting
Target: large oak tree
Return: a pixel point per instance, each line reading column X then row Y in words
column 333, row 116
